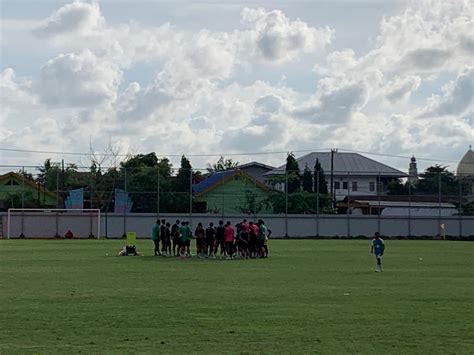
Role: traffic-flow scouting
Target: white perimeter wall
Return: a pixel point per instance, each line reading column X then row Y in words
column 114, row 225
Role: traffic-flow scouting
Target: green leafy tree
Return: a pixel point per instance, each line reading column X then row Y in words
column 181, row 187
column 52, row 176
column 307, row 180
column 144, row 173
column 430, row 180
column 299, row 203
column 221, row 165
column 397, row 188
column 293, row 172
column 320, row 183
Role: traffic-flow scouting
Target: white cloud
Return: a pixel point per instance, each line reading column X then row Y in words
column 457, row 98
column 401, row 88
column 77, row 80
column 278, row 39
column 196, row 100
column 75, row 18
column 334, row 104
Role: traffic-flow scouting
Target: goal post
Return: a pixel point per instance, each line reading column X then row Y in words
column 54, row 222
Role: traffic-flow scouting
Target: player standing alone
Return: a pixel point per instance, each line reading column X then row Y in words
column 377, row 247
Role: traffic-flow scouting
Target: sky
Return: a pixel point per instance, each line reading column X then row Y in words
column 250, row 80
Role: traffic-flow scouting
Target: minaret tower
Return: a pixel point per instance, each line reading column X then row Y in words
column 412, row 172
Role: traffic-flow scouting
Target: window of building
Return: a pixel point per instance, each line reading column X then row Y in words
column 354, row 185
column 337, row 185
column 344, row 185
column 371, row 186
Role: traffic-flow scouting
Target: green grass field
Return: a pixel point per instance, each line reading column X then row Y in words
column 309, row 296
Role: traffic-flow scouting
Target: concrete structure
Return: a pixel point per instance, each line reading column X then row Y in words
column 231, row 191
column 402, row 208
column 353, row 174
column 114, row 225
column 401, row 205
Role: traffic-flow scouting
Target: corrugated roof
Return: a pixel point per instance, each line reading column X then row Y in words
column 254, row 163
column 212, row 180
column 405, row 204
column 344, row 163
column 222, row 177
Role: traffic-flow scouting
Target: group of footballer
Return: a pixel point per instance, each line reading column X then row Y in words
column 246, row 240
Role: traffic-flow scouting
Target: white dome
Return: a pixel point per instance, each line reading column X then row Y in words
column 466, row 165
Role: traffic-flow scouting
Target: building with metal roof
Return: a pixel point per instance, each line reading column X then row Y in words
column 353, row 173
column 256, row 170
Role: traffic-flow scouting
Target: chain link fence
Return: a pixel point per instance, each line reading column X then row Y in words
column 337, row 204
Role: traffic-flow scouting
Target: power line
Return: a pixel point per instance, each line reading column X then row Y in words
column 228, row 154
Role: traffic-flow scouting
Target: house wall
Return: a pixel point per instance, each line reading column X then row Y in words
column 114, row 225
column 363, row 185
column 232, row 196
column 30, row 194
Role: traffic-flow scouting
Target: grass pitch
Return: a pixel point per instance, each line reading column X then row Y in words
column 309, row 296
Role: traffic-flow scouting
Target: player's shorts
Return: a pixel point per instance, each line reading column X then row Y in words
column 185, row 243
column 200, row 242
column 260, row 242
column 243, row 244
column 210, row 241
column 220, row 242
column 176, row 241
column 378, row 254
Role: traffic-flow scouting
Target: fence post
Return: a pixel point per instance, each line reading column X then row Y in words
column 22, row 234
column 57, row 205
column 317, row 203
column 223, row 197
column 378, row 200
column 460, row 209
column 348, row 220
column 190, row 197
column 92, row 190
column 286, row 204
column 158, row 193
column 57, row 188
column 124, row 235
column 409, row 209
column 440, row 231
column 255, row 201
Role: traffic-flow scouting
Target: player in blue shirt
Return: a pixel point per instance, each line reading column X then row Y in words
column 377, row 247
